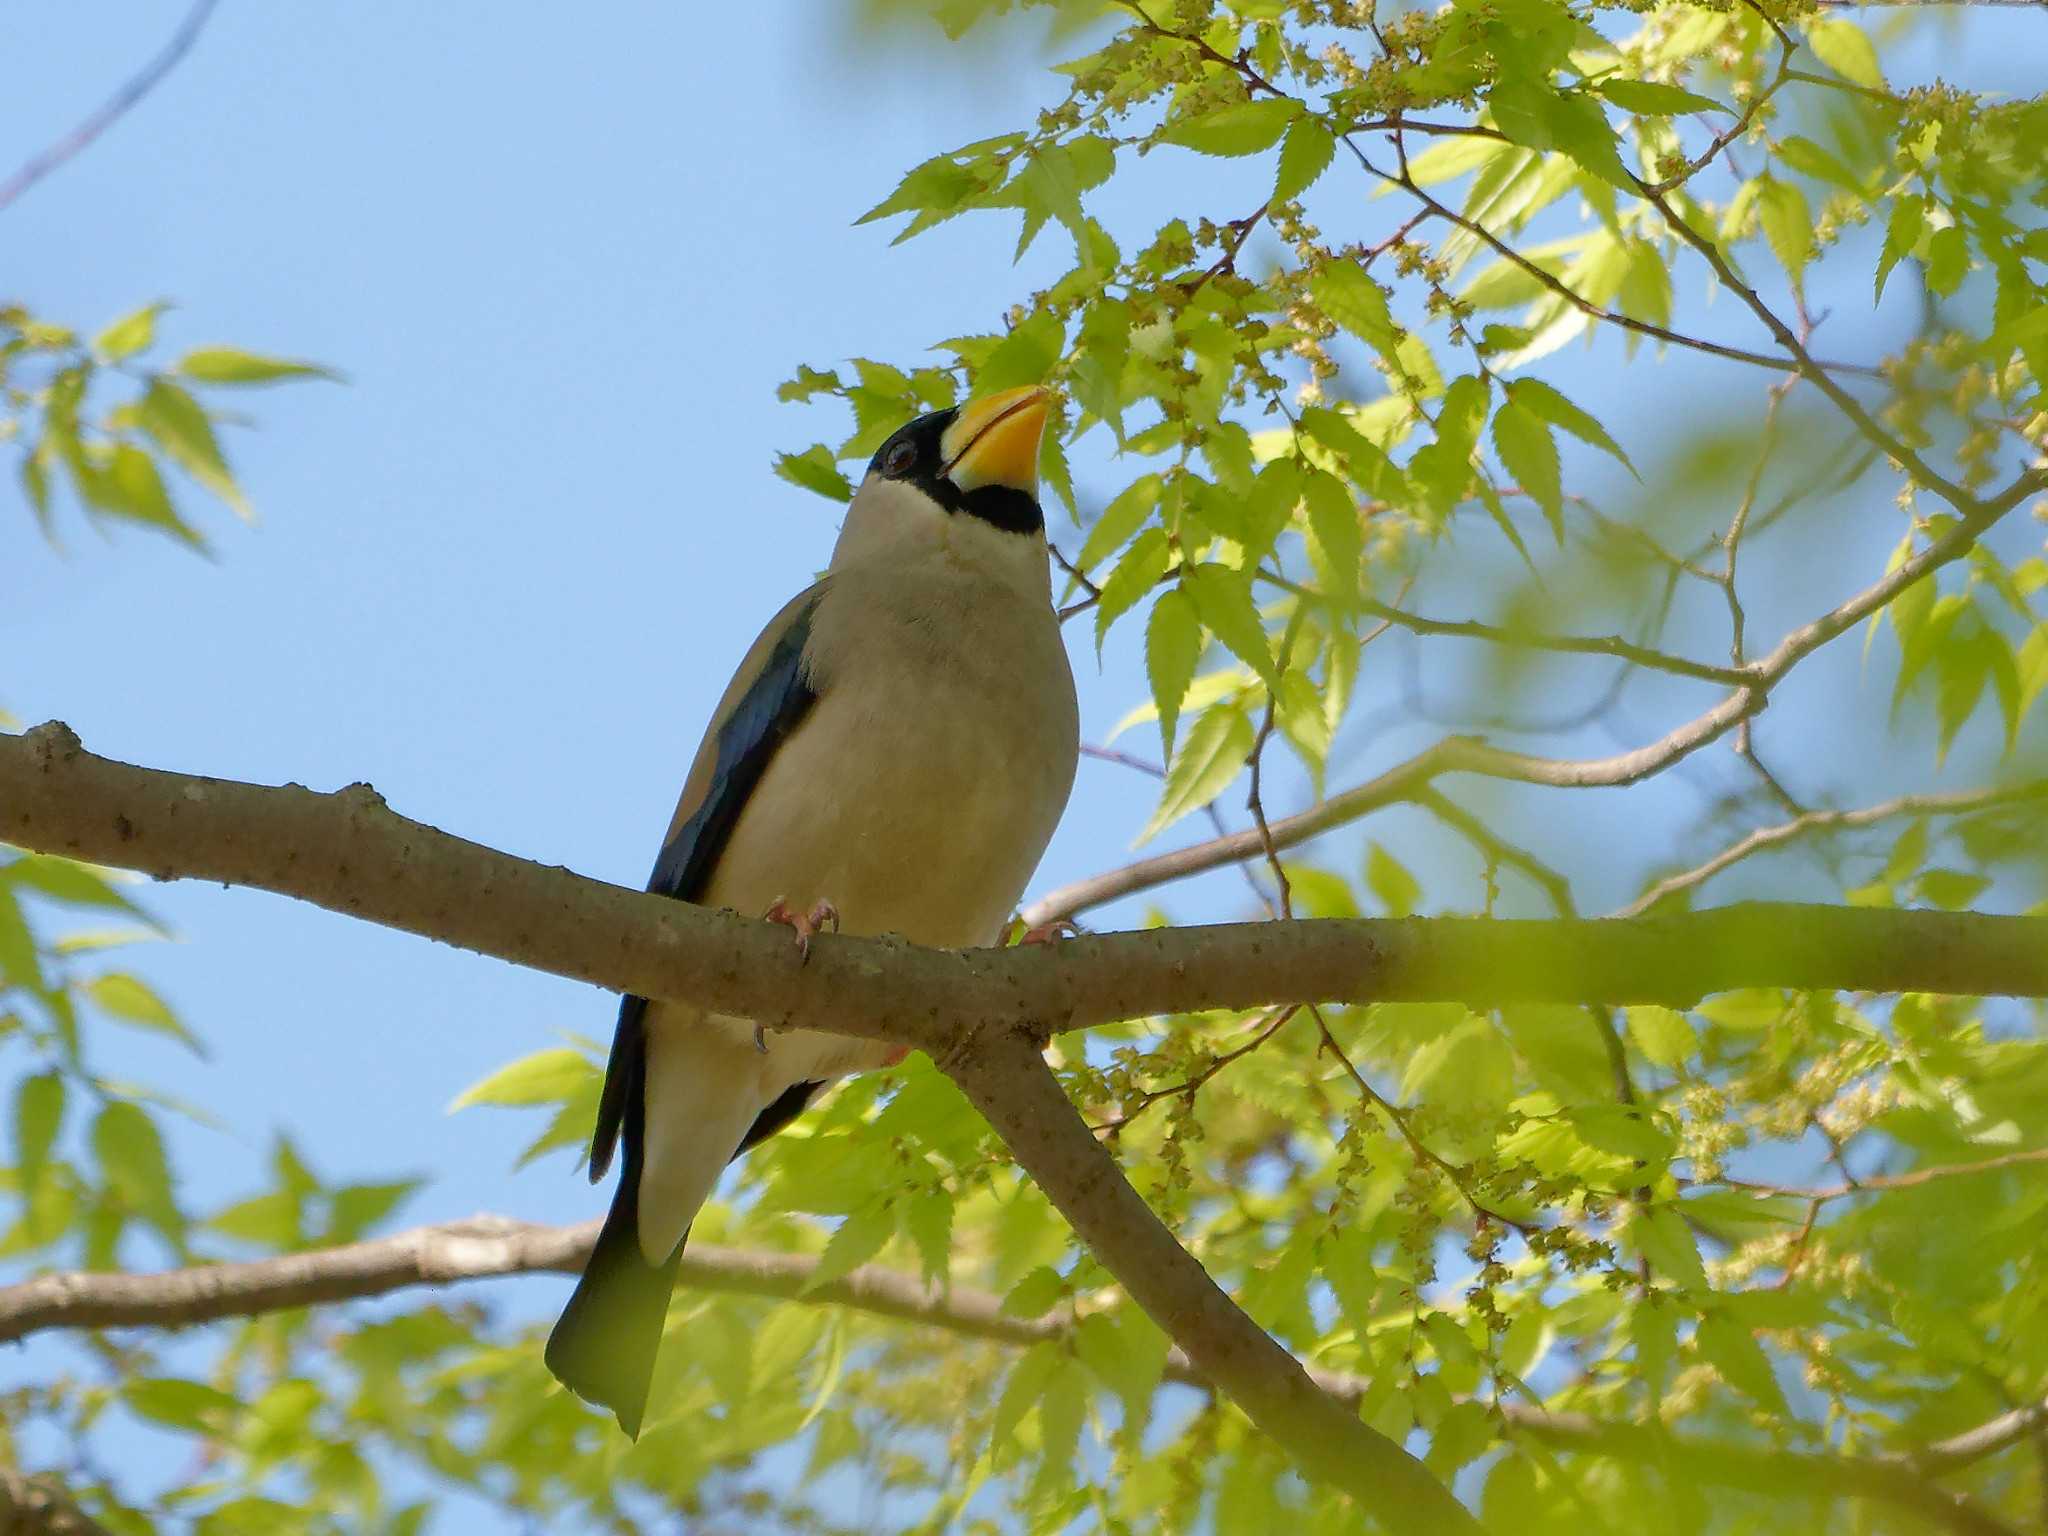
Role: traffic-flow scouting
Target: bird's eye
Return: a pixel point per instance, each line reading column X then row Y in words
column 896, row 463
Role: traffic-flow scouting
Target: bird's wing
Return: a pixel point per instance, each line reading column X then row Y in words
column 766, row 700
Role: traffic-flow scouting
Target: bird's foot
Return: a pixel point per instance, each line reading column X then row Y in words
column 761, row 1039
column 822, row 915
column 1050, row 933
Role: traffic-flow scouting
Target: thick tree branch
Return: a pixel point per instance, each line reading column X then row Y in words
column 486, row 1246
column 346, row 851
column 1004, row 1074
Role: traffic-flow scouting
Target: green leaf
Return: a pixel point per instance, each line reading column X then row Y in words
column 1659, row 1234
column 132, row 487
column 1541, row 400
column 1948, row 259
column 1735, row 1354
column 928, row 1222
column 1370, row 469
column 67, row 880
column 1951, row 889
column 815, row 470
column 1337, row 542
column 1025, row 356
column 1242, row 128
column 1388, row 879
column 1540, row 117
column 1663, row 1035
column 181, row 427
column 808, row 384
column 1903, row 229
column 545, row 1077
column 131, row 1156
column 1036, row 1294
column 1846, row 49
column 1347, row 293
column 1223, row 601
column 1173, row 646
column 128, row 335
column 230, row 365
column 1303, row 158
column 132, row 1001
column 1213, row 754
column 1787, row 220
column 1443, row 469
column 859, row 1238
column 1529, row 453
column 38, row 1115
column 356, row 1208
column 1137, row 573
column 1119, row 520
column 1649, row 98
column 1021, row 1392
column 270, row 1220
column 182, row 1404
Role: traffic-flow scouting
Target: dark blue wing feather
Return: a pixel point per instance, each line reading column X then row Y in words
column 773, row 705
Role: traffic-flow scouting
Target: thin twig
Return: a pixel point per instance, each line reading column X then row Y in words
column 80, row 138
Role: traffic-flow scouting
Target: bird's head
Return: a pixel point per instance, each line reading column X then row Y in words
column 965, row 477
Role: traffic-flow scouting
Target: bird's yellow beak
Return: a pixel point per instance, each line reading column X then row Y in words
column 994, row 441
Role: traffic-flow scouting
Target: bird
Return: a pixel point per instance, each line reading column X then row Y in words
column 892, row 756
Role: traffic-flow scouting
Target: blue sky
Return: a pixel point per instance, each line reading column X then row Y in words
column 506, row 569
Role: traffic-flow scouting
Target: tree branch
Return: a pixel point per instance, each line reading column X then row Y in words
column 487, row 1246
column 81, row 137
column 1956, row 804
column 1004, row 1074
column 347, row 852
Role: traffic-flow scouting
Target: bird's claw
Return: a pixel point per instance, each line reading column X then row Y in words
column 761, row 1039
column 822, row 915
column 1052, row 932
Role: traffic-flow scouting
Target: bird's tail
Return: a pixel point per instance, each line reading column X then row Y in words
column 603, row 1347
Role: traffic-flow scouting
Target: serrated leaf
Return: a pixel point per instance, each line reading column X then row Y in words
column 545, row 1077
column 1036, row 1294
column 859, row 1238
column 1787, row 220
column 1137, row 573
column 928, row 1222
column 807, row 384
column 1539, row 398
column 1659, row 1234
column 1846, row 49
column 1735, row 1354
column 1303, row 158
column 1347, row 293
column 231, row 365
column 815, row 470
column 1173, row 647
column 1223, row 602
column 268, row 1220
column 1371, row 470
column 1948, row 260
column 356, row 1208
column 1213, row 754
column 1025, row 356
column 1336, row 542
column 1649, row 98
column 1243, row 128
column 1663, row 1035
column 1021, row 1391
column 1123, row 517
column 1903, row 229
column 1529, row 453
